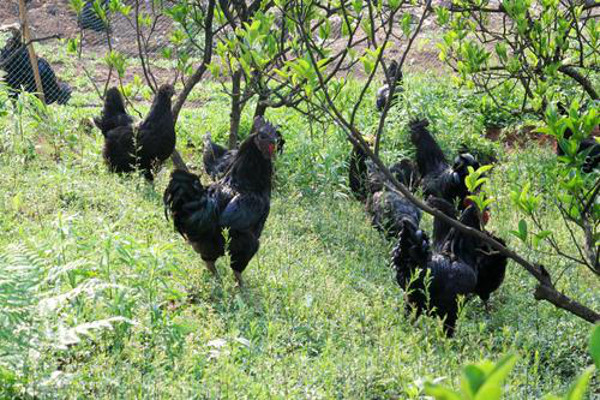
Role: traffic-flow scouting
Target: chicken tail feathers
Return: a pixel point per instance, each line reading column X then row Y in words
column 430, row 157
column 192, row 208
column 411, row 252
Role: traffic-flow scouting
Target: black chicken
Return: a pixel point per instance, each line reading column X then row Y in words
column 588, row 146
column 358, row 174
column 441, row 229
column 15, row 61
column 384, row 92
column 438, row 178
column 386, row 207
column 406, row 172
column 146, row 146
column 434, row 280
column 89, row 18
column 491, row 265
column 113, row 114
column 240, row 202
column 217, row 159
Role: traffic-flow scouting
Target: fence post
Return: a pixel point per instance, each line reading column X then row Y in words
column 32, row 56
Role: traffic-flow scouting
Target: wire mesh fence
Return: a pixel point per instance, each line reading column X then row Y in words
column 141, row 45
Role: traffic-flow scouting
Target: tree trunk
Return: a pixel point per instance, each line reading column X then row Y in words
column 261, row 106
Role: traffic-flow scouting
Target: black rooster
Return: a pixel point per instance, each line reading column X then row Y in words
column 384, row 92
column 217, row 159
column 240, row 202
column 113, row 114
column 15, row 61
column 147, row 146
column 434, row 280
column 387, row 207
column 438, row 177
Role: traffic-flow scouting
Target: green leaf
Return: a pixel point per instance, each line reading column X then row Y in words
column 72, row 45
column 406, row 20
column 76, row 5
column 473, row 378
column 523, row 229
column 492, row 387
column 579, row 388
column 367, row 65
column 440, row 392
column 484, row 168
column 489, row 393
column 595, row 346
column 538, row 237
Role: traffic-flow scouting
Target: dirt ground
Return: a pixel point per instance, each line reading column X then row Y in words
column 52, row 17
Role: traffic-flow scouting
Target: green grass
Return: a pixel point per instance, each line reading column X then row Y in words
column 322, row 316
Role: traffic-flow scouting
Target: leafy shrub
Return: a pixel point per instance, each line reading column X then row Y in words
column 484, row 380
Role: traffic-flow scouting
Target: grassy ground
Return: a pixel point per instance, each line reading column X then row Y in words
column 123, row 308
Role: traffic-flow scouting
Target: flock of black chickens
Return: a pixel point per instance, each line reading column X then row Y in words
column 238, row 201
column 229, row 214
column 434, row 272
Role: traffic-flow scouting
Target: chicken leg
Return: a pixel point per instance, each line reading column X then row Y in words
column 238, row 279
column 210, row 265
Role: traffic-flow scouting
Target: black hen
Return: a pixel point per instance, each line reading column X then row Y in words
column 441, row 229
column 491, row 265
column 15, row 61
column 239, row 202
column 358, row 174
column 387, row 208
column 438, row 178
column 384, row 92
column 432, row 280
column 147, row 146
column 406, row 172
column 113, row 114
column 217, row 159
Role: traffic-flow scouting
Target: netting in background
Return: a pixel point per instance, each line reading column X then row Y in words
column 49, row 18
column 18, row 72
column 55, row 18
